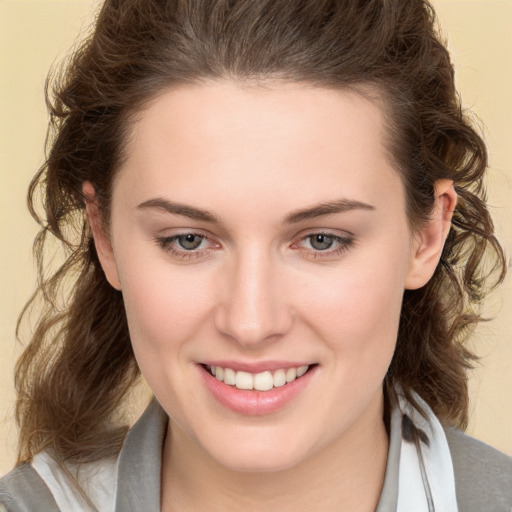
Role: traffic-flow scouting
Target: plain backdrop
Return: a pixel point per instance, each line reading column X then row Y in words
column 36, row 33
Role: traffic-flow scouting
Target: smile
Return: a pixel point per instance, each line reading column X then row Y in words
column 262, row 381
column 259, row 388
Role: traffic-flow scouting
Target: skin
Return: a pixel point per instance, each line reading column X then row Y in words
column 257, row 289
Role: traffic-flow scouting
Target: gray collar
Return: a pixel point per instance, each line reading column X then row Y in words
column 388, row 500
column 140, row 462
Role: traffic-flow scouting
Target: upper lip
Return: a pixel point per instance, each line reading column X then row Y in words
column 257, row 366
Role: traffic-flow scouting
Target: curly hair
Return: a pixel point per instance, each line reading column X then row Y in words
column 78, row 365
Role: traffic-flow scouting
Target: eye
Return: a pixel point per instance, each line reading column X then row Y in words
column 321, row 242
column 190, row 241
column 186, row 246
column 324, row 245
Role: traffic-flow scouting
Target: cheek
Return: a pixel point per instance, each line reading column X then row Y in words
column 165, row 312
column 356, row 308
column 164, row 305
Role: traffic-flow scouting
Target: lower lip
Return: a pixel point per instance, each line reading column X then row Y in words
column 252, row 402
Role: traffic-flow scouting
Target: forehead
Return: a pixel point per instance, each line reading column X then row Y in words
column 282, row 142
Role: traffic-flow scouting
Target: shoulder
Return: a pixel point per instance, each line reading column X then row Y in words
column 23, row 490
column 483, row 475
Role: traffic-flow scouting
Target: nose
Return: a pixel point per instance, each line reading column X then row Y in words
column 253, row 309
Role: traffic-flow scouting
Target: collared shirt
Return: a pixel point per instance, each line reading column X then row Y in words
column 132, row 481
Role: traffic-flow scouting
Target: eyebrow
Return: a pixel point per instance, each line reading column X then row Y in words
column 328, row 208
column 319, row 210
column 191, row 212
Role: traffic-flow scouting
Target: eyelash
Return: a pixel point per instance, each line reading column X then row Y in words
column 166, row 243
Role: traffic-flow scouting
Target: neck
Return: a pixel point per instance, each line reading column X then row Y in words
column 345, row 475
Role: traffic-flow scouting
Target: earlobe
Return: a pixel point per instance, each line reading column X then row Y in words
column 101, row 239
column 428, row 243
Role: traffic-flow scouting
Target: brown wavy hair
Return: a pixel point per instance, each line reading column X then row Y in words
column 78, row 365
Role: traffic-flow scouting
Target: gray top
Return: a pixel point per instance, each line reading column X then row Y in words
column 483, row 475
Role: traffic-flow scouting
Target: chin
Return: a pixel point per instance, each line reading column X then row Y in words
column 259, row 456
column 259, row 463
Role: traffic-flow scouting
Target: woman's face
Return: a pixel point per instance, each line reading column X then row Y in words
column 261, row 230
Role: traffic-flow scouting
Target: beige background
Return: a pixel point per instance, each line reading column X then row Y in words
column 34, row 33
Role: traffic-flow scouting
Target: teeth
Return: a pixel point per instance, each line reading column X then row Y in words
column 291, row 374
column 263, row 381
column 244, row 380
column 229, row 376
column 301, row 371
column 259, row 381
column 279, row 378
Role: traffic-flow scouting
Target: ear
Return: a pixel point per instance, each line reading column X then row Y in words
column 429, row 240
column 101, row 239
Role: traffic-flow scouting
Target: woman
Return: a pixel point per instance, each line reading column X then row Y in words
column 274, row 212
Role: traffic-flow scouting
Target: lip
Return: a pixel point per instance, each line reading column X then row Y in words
column 252, row 402
column 260, row 366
